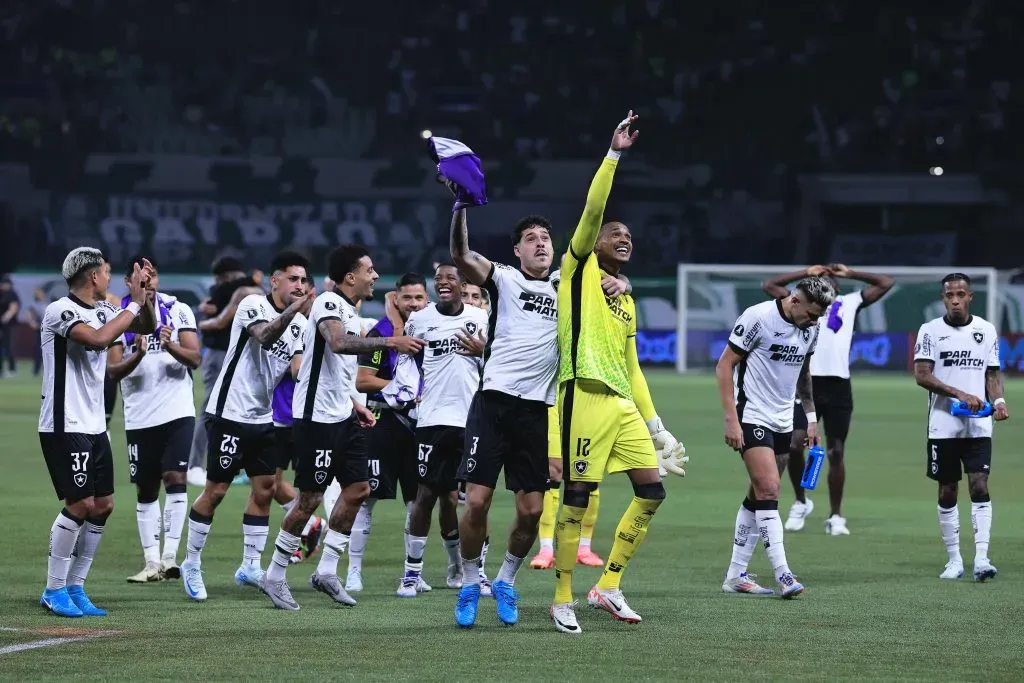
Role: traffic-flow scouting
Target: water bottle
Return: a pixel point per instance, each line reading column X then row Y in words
column 812, row 468
column 960, row 409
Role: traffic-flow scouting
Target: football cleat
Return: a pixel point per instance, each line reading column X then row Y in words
column 455, row 576
column 836, row 526
column 798, row 512
column 983, row 570
column 330, row 585
column 564, row 617
column 354, row 580
column 507, row 600
column 60, row 603
column 422, row 586
column 279, row 593
column 954, row 570
column 82, row 602
column 247, row 575
column 789, row 586
column 408, row 587
column 151, row 573
column 466, row 605
column 192, row 574
column 544, row 559
column 486, row 588
column 747, row 584
column 588, row 557
column 170, row 569
column 614, row 603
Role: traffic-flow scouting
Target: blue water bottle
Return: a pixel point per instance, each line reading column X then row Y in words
column 960, row 409
column 812, row 468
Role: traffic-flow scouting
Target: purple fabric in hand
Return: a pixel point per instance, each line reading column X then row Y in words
column 834, row 321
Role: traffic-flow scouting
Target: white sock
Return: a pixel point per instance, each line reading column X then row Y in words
column 548, row 543
column 148, row 517
column 284, row 547
column 509, row 569
column 63, row 538
column 981, row 518
column 255, row 531
column 744, row 542
column 360, row 534
column 584, row 542
column 198, row 530
column 414, row 560
column 949, row 525
column 470, row 571
column 334, row 546
column 175, row 511
column 331, row 496
column 451, row 546
column 85, row 550
column 769, row 527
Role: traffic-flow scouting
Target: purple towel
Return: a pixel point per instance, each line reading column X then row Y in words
column 282, row 401
column 457, row 163
column 834, row 321
column 163, row 309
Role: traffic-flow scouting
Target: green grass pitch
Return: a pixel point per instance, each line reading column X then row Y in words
column 874, row 609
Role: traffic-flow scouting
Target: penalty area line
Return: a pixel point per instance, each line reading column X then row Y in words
column 81, row 635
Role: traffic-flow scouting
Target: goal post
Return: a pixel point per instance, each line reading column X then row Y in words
column 710, row 297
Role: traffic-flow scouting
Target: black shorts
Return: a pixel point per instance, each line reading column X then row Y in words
column 324, row 452
column 833, row 402
column 155, row 450
column 109, row 397
column 284, row 447
column 80, row 465
column 439, row 452
column 233, row 446
column 508, row 432
column 946, row 455
column 757, row 436
column 392, row 457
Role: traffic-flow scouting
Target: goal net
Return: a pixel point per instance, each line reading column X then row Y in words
column 711, row 297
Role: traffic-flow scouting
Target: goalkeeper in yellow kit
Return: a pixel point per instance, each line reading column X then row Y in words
column 608, row 422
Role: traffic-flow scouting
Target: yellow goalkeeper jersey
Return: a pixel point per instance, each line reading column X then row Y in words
column 594, row 331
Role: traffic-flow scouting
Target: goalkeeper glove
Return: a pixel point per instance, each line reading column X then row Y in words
column 671, row 453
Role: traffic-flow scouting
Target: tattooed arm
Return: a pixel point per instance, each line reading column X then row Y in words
column 475, row 267
column 340, row 341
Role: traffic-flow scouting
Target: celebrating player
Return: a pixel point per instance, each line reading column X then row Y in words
column 265, row 333
column 833, row 394
column 450, row 380
column 159, row 419
column 392, row 441
column 604, row 401
column 330, row 442
column 72, row 426
column 761, row 371
column 956, row 358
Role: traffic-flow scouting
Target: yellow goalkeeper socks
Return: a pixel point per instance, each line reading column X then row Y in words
column 546, row 528
column 590, row 519
column 628, row 536
column 567, row 545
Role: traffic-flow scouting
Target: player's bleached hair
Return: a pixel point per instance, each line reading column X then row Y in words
column 79, row 260
column 817, row 290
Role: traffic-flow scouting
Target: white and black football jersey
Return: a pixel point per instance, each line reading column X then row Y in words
column 835, row 336
column 159, row 389
column 521, row 358
column 961, row 354
column 72, row 391
column 245, row 385
column 773, row 351
column 450, row 379
column 327, row 381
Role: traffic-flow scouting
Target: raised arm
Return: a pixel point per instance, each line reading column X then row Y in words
column 778, row 286
column 223, row 319
column 186, row 350
column 589, row 227
column 266, row 333
column 878, row 285
column 475, row 267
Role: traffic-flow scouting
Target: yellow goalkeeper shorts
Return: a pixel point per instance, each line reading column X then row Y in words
column 601, row 432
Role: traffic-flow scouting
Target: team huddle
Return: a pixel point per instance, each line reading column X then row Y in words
column 545, row 386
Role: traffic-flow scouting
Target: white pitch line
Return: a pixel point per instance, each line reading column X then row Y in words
column 46, row 642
